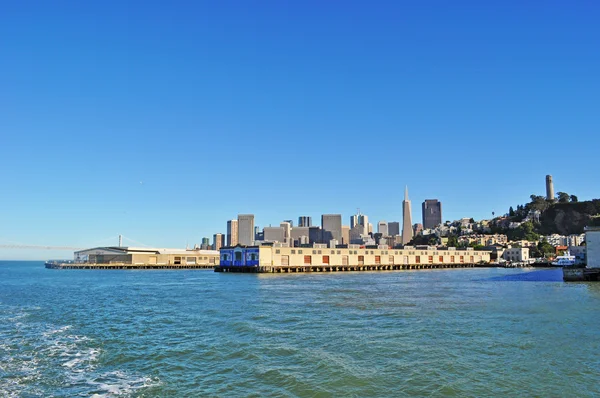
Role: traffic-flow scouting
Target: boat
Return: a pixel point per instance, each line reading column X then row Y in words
column 567, row 260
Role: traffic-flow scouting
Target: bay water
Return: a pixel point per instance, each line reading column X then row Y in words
column 460, row 332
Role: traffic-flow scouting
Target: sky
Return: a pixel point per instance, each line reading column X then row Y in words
column 162, row 120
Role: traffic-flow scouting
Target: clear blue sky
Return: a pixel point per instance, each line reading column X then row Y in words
column 162, row 120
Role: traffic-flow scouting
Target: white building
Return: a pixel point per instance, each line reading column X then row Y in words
column 519, row 254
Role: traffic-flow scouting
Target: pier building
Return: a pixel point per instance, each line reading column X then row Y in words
column 118, row 257
column 278, row 258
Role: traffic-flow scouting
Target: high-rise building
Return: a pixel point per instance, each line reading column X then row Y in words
column 331, row 225
column 393, row 228
column 304, row 221
column 218, row 241
column 205, row 244
column 287, row 227
column 549, row 188
column 360, row 219
column 232, row 233
column 299, row 234
column 315, row 235
column 345, row 235
column 246, row 229
column 382, row 228
column 407, row 228
column 274, row 234
column 432, row 213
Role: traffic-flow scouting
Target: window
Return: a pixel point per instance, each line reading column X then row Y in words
column 314, row 252
column 333, row 252
column 293, row 251
column 339, row 252
column 319, row 251
column 371, row 251
column 190, row 260
column 299, row 251
column 277, row 251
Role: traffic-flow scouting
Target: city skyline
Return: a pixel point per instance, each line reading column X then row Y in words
column 113, row 131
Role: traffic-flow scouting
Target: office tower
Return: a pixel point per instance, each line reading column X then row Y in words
column 287, row 227
column 246, row 229
column 432, row 213
column 314, row 235
column 304, row 221
column 218, row 241
column 205, row 244
column 382, row 228
column 298, row 235
column 331, row 225
column 407, row 228
column 549, row 188
column 393, row 228
column 274, row 234
column 360, row 219
column 345, row 234
column 232, row 233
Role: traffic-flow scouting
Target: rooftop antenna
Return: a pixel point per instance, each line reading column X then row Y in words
column 120, row 240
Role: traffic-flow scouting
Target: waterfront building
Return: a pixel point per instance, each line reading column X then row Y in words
column 232, row 233
column 382, row 228
column 115, row 257
column 592, row 242
column 218, row 241
column 432, row 213
column 270, row 258
column 407, row 228
column 549, row 188
column 517, row 254
column 331, row 226
column 246, row 233
column 305, row 221
column 394, row 228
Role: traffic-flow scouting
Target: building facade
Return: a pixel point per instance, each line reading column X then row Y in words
column 394, row 228
column 147, row 256
column 517, row 254
column 592, row 243
column 305, row 221
column 218, row 241
column 331, row 226
column 232, row 233
column 407, row 228
column 432, row 213
column 275, row 256
column 246, row 229
column 382, row 228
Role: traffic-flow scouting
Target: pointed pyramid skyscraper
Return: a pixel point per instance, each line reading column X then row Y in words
column 407, row 230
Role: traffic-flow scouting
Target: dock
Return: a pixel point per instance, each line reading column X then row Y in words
column 125, row 266
column 571, row 274
column 334, row 268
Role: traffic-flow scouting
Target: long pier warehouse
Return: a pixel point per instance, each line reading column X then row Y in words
column 275, row 259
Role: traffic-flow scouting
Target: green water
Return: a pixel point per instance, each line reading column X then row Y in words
column 464, row 333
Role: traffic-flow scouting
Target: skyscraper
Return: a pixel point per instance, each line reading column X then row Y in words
column 331, row 225
column 232, row 233
column 246, row 229
column 360, row 219
column 382, row 228
column 432, row 213
column 304, row 221
column 407, row 229
column 218, row 241
column 393, row 228
column 549, row 188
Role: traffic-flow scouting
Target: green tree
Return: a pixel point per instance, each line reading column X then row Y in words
column 563, row 197
column 452, row 241
column 545, row 248
column 574, row 199
column 511, row 211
